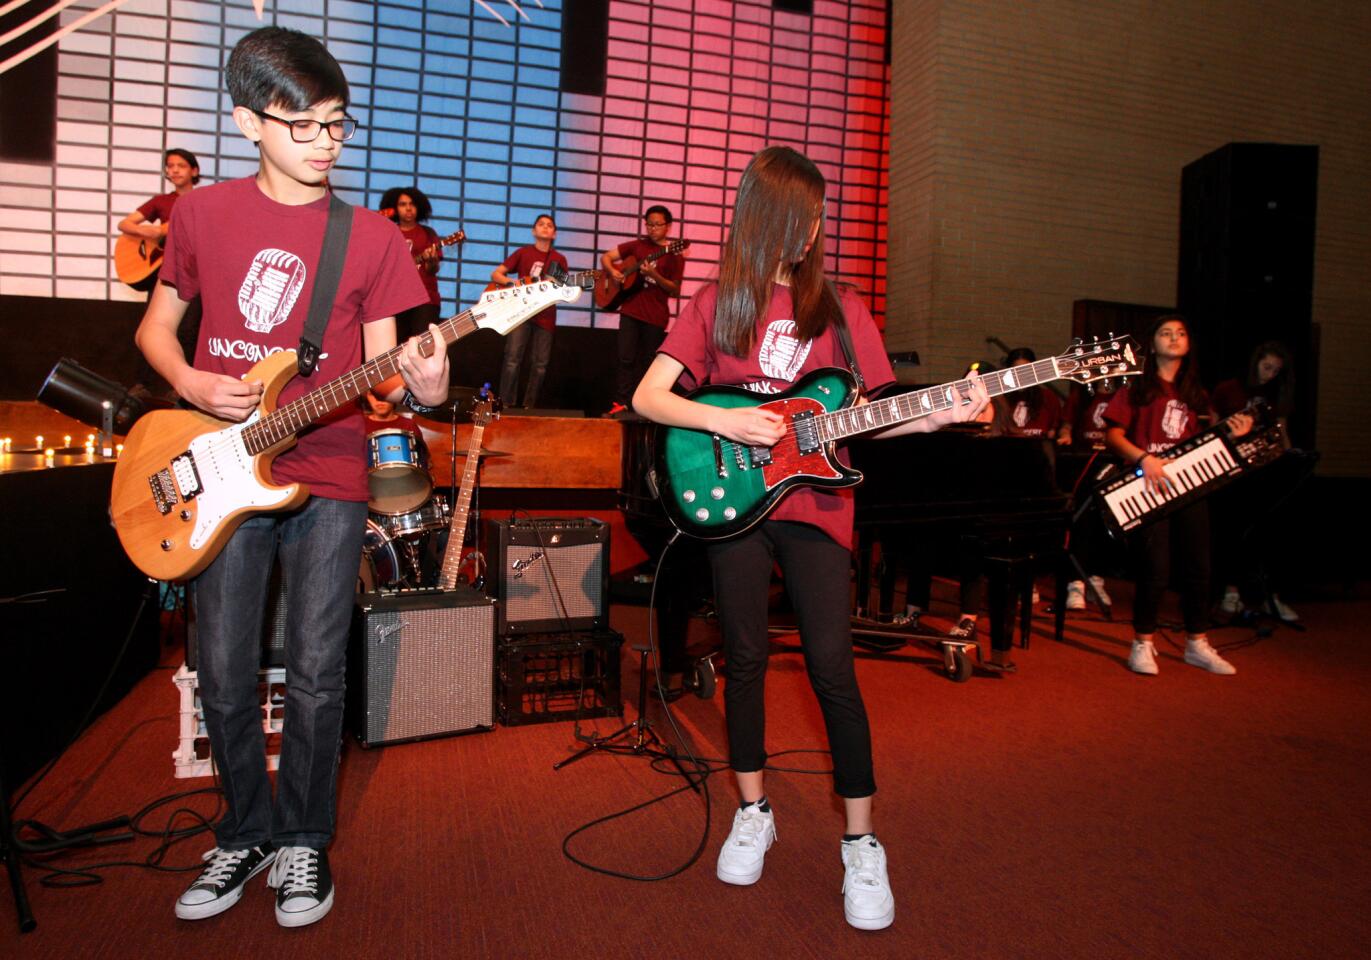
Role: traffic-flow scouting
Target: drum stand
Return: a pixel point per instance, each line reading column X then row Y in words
column 645, row 742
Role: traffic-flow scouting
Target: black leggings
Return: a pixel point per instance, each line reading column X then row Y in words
column 1185, row 536
column 816, row 572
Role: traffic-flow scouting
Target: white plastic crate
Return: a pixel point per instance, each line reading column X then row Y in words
column 192, row 754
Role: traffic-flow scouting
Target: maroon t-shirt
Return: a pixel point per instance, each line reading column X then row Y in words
column 1085, row 413
column 158, row 209
column 529, row 263
column 252, row 261
column 776, row 361
column 1157, row 426
column 1044, row 423
column 649, row 302
column 419, row 238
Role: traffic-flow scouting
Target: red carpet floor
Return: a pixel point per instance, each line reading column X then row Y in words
column 1071, row 810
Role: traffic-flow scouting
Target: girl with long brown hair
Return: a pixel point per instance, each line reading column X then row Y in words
column 771, row 317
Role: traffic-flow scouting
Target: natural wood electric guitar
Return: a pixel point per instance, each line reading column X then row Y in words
column 186, row 480
column 483, row 412
column 714, row 488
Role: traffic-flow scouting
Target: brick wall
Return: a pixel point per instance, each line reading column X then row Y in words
column 1036, row 156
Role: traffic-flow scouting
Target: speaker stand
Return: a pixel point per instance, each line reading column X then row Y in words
column 644, row 743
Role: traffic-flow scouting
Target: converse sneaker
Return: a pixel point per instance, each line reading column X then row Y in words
column 1281, row 610
column 220, row 884
column 753, row 833
column 966, row 627
column 303, row 884
column 1075, row 595
column 1143, row 658
column 868, row 903
column 1198, row 653
column 1101, row 595
column 1231, row 603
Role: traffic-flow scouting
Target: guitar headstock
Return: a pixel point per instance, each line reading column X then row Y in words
column 486, row 409
column 1102, row 358
column 504, row 309
column 459, row 237
column 676, row 246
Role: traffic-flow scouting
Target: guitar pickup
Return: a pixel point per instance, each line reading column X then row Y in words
column 759, row 456
column 186, row 476
column 163, row 491
column 806, row 432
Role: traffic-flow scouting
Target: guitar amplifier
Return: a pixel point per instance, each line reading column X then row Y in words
column 550, row 574
column 421, row 665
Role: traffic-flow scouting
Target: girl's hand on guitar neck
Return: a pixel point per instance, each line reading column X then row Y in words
column 976, row 398
column 227, row 398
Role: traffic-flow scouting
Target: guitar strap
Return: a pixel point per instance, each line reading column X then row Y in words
column 845, row 338
column 330, row 273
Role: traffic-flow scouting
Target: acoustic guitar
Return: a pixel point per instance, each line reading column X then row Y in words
column 137, row 260
column 458, row 237
column 610, row 293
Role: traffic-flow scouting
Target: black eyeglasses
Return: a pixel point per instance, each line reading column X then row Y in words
column 307, row 131
column 658, row 223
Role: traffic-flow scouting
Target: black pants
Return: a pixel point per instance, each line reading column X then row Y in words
column 816, row 578
column 1183, row 536
column 638, row 343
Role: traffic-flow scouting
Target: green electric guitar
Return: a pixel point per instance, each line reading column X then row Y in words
column 714, row 488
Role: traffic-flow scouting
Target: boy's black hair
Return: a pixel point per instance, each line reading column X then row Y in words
column 541, row 216
column 658, row 208
column 187, row 156
column 288, row 68
column 391, row 199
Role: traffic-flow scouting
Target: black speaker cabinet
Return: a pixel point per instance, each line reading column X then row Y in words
column 550, row 574
column 422, row 665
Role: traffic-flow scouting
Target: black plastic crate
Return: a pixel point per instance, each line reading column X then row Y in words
column 541, row 677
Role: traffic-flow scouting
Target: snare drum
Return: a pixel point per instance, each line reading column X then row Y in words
column 397, row 472
column 381, row 566
column 433, row 515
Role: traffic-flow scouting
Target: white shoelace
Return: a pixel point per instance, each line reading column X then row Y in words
column 746, row 829
column 864, row 864
column 296, row 870
column 222, row 863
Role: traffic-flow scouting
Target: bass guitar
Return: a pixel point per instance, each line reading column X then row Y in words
column 483, row 412
column 186, row 480
column 137, row 260
column 610, row 293
column 713, row 488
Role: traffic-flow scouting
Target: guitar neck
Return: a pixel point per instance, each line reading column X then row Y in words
column 284, row 422
column 905, row 407
column 457, row 528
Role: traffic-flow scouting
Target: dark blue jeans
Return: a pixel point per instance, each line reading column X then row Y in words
column 320, row 546
column 516, row 345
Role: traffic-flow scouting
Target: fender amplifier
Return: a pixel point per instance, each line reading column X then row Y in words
column 550, row 574
column 422, row 664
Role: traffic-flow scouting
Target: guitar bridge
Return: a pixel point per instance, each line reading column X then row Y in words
column 163, row 491
column 720, row 466
column 187, row 477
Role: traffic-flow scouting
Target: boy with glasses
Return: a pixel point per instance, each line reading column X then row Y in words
column 250, row 249
column 644, row 315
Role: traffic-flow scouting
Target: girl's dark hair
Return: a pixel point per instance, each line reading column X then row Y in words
column 780, row 198
column 1280, row 392
column 1187, row 383
column 391, row 199
column 273, row 65
column 187, row 156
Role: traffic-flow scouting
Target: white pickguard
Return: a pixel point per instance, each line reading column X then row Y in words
column 226, row 472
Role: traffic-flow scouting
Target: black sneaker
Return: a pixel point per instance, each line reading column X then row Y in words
column 220, row 884
column 304, row 886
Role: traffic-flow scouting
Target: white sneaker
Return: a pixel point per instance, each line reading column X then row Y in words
column 1143, row 658
column 868, row 903
column 743, row 853
column 1198, row 653
column 1100, row 593
column 1281, row 610
column 1075, row 595
column 1231, row 603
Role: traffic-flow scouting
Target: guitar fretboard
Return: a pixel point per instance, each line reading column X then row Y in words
column 879, row 414
column 286, row 421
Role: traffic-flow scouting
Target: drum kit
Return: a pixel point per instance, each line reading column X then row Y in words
column 407, row 525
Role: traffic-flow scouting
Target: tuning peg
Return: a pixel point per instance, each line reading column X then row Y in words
column 1090, row 389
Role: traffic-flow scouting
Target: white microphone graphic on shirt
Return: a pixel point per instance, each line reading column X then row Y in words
column 270, row 289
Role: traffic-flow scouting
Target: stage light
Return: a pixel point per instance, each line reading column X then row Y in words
column 86, row 396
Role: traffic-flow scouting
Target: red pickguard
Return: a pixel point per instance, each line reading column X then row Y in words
column 786, row 459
